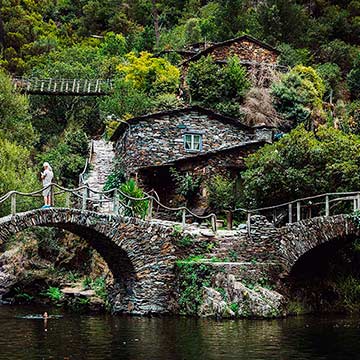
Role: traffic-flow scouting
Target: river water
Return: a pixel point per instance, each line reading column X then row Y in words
column 75, row 336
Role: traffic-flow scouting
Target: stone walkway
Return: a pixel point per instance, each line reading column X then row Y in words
column 101, row 165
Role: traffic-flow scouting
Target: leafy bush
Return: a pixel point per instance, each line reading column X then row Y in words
column 298, row 96
column 138, row 207
column 338, row 52
column 331, row 76
column 221, row 193
column 116, row 177
column 187, row 185
column 291, row 56
column 54, row 294
column 165, row 102
column 192, row 278
column 68, row 157
column 125, row 101
column 217, row 87
column 150, row 74
column 16, row 174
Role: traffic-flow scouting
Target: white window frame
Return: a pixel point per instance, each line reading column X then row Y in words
column 192, row 142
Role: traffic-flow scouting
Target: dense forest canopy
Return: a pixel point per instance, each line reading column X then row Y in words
column 319, row 42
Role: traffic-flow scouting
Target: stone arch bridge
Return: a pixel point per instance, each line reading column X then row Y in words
column 287, row 244
column 140, row 254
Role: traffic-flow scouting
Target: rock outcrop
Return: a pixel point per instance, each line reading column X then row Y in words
column 230, row 298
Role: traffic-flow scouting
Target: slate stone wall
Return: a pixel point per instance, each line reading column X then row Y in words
column 245, row 50
column 158, row 141
column 287, row 244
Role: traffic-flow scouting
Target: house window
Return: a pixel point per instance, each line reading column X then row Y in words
column 192, row 142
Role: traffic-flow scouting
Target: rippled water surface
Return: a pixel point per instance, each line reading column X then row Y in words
column 118, row 337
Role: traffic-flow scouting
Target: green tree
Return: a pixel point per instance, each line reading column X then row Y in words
column 298, row 96
column 68, row 157
column 16, row 173
column 283, row 21
column 301, row 164
column 331, row 76
column 220, row 88
column 221, row 193
column 150, row 74
column 353, row 79
column 14, row 114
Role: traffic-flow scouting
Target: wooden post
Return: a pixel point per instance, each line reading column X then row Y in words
column 213, row 224
column 355, row 203
column 150, row 208
column 101, row 200
column 358, row 201
column 13, row 204
column 183, row 218
column 42, row 86
column 248, row 223
column 67, row 200
column 290, row 213
column 73, row 86
column 116, row 202
column 52, row 195
column 84, row 198
column 49, row 86
column 298, row 211
column 229, row 220
column 327, row 206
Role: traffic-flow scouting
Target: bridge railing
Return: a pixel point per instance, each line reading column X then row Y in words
column 62, row 86
column 306, row 208
column 84, row 198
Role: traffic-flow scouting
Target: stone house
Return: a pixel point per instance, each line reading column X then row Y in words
column 190, row 140
column 259, row 57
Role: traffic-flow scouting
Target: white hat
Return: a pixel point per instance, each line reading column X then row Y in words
column 46, row 164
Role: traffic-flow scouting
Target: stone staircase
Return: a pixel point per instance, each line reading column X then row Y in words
column 101, row 165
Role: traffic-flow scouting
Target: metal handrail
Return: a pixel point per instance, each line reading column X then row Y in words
column 340, row 197
column 295, row 201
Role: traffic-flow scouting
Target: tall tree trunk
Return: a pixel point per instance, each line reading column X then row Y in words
column 155, row 14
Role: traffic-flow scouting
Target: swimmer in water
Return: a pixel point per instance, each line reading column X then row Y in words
column 45, row 316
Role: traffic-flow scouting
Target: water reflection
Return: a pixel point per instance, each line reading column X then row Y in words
column 119, row 337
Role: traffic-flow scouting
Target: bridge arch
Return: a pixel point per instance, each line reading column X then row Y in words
column 297, row 239
column 139, row 254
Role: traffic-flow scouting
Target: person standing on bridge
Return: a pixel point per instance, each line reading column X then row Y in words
column 47, row 176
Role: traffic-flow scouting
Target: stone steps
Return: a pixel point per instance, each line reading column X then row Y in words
column 101, row 166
